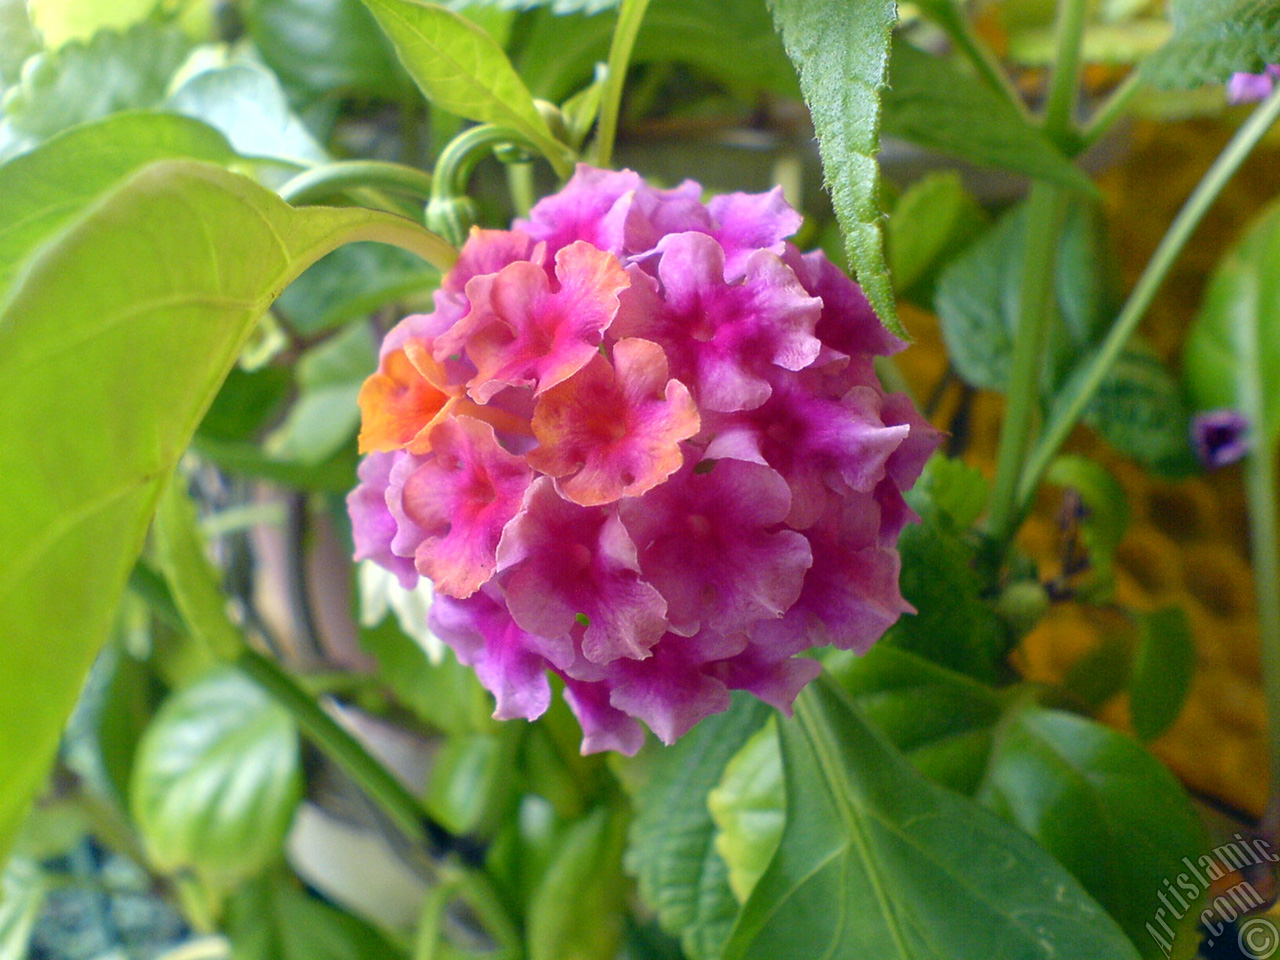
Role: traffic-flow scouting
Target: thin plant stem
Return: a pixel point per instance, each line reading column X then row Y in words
column 630, row 17
column 1260, row 487
column 1112, row 109
column 1184, row 224
column 520, row 186
column 389, row 793
column 334, row 178
column 1064, row 89
column 1044, row 218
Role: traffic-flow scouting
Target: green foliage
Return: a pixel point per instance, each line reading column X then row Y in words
column 574, row 913
column 89, row 80
column 43, row 191
column 22, row 892
column 1232, row 356
column 271, row 919
column 341, row 51
column 877, row 861
column 933, row 220
column 749, row 807
column 1081, row 789
column 933, row 103
column 61, row 21
column 17, row 40
column 842, row 54
column 1140, row 410
column 217, row 780
column 461, row 69
column 1162, row 670
column 1106, row 510
column 249, row 107
column 950, row 488
column 1213, row 39
column 77, row 494
column 471, row 789
column 325, row 416
column 672, row 852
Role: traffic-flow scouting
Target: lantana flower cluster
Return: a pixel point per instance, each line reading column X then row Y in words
column 639, row 444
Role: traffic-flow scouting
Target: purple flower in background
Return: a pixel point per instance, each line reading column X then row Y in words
column 1221, row 437
column 640, row 444
column 1252, row 87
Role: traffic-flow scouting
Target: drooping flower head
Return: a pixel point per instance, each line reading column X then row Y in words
column 639, row 444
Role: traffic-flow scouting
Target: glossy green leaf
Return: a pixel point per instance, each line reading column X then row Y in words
column 749, row 807
column 576, row 911
column 877, row 862
column 248, row 105
column 149, row 297
column 1232, row 355
column 1140, row 410
column 325, row 416
column 1163, row 667
column 341, row 51
column 1105, row 808
column 461, row 69
column 672, row 851
column 271, row 919
column 933, row 103
column 217, row 780
column 932, row 221
column 842, row 55
column 90, row 80
column 1213, row 39
column 60, row 21
column 42, row 191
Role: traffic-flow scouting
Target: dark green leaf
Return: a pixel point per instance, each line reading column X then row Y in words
column 249, row 107
column 87, row 81
column 247, row 402
column 46, row 189
column 217, row 780
column 461, row 69
column 124, row 305
column 324, row 48
column 576, row 911
column 842, row 53
column 877, row 862
column 954, row 626
column 351, row 282
column 1232, row 354
column 471, row 787
column 934, row 220
column 1105, row 808
column 336, row 475
column 1140, row 410
column 672, row 835
column 1162, row 671
column 1213, row 39
column 932, row 103
column 325, row 416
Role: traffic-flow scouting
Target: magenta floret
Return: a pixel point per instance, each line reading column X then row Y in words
column 653, row 458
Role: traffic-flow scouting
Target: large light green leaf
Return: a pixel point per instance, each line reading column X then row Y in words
column 672, row 849
column 931, row 102
column 841, row 51
column 876, row 861
column 217, row 779
column 1213, row 39
column 461, row 69
column 62, row 20
column 111, row 348
column 1232, row 355
column 42, row 191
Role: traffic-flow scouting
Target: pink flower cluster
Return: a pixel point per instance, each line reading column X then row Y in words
column 639, row 443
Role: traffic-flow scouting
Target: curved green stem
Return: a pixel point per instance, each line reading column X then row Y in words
column 1044, row 219
column 460, row 156
column 324, row 182
column 624, row 40
column 1068, row 412
column 390, row 794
